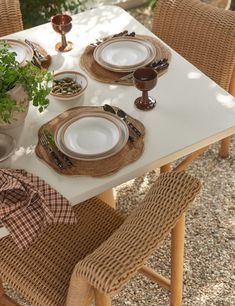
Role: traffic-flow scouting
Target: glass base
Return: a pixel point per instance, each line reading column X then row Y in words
column 145, row 105
column 59, row 47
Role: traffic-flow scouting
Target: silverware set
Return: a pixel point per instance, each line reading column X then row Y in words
column 38, row 59
column 123, row 33
column 123, row 115
column 61, row 160
column 157, row 66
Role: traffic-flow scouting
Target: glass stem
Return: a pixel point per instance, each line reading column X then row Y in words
column 63, row 41
column 145, row 97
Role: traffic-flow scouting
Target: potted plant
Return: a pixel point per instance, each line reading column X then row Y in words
column 19, row 85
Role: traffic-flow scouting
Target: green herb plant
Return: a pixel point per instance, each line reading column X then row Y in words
column 152, row 4
column 36, row 83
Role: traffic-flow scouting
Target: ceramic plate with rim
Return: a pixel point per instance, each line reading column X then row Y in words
column 23, row 51
column 90, row 135
column 99, row 135
column 124, row 54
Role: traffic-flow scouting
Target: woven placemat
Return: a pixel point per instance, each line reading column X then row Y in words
column 101, row 74
column 131, row 152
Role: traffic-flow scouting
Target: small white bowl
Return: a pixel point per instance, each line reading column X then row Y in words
column 80, row 78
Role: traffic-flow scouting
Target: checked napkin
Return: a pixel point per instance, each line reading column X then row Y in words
column 28, row 204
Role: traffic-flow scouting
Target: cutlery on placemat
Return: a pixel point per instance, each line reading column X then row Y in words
column 124, row 117
column 50, row 138
column 158, row 66
column 36, row 52
column 124, row 33
column 46, row 144
column 108, row 108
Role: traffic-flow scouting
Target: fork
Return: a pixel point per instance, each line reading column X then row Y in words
column 124, row 33
column 51, row 140
column 46, row 144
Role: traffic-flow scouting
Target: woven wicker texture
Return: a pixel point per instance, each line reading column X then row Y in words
column 107, row 166
column 118, row 258
column 42, row 272
column 101, row 74
column 201, row 33
column 10, row 17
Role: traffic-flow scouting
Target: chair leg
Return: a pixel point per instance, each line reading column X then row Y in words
column 4, row 299
column 102, row 299
column 177, row 262
column 224, row 147
column 108, row 198
column 165, row 168
column 80, row 292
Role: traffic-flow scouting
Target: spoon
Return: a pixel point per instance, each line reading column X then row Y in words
column 110, row 109
column 124, row 116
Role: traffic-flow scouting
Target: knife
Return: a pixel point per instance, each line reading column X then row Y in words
column 160, row 65
column 36, row 52
column 110, row 109
column 124, row 117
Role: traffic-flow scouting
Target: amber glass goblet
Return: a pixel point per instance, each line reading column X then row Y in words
column 145, row 79
column 62, row 24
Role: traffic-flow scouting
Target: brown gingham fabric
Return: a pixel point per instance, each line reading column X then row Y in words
column 28, row 204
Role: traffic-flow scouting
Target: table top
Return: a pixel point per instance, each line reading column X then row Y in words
column 192, row 111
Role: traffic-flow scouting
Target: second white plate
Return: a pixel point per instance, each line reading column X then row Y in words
column 23, row 51
column 124, row 54
column 92, row 135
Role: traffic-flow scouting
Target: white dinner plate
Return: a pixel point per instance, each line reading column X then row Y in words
column 23, row 51
column 92, row 136
column 124, row 54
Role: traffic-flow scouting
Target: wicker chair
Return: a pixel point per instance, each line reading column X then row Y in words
column 205, row 36
column 10, row 17
column 101, row 252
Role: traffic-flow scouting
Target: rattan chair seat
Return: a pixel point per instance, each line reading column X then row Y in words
column 101, row 252
column 42, row 272
column 10, row 17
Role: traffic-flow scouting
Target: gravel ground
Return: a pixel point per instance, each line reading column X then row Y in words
column 209, row 275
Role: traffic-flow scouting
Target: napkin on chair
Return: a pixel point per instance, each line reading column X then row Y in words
column 28, row 204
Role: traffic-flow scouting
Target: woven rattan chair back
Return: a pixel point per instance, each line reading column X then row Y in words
column 107, row 248
column 203, row 34
column 10, row 17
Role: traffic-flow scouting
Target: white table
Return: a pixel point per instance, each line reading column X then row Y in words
column 192, row 111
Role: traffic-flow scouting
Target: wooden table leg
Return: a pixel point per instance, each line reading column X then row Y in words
column 165, row 168
column 177, row 262
column 108, row 197
column 224, row 147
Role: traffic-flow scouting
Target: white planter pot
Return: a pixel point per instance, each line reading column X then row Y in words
column 18, row 94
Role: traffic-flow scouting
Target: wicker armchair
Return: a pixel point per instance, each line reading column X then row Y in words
column 10, row 17
column 205, row 36
column 101, row 252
